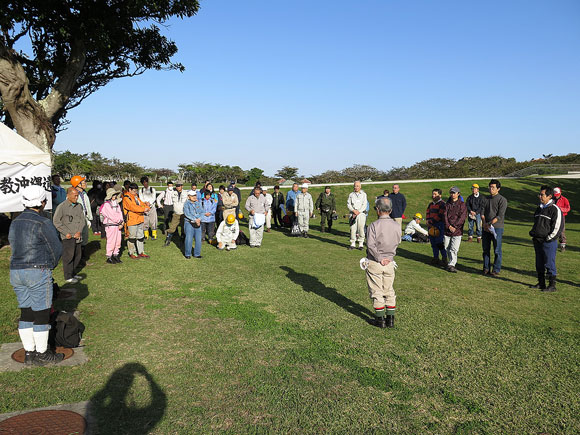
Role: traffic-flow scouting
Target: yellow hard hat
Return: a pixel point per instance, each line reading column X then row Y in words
column 241, row 216
column 230, row 219
column 475, row 185
column 418, row 215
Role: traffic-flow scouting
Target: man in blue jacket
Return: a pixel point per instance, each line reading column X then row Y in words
column 399, row 205
column 36, row 250
column 209, row 206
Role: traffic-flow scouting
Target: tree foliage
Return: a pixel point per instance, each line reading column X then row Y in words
column 55, row 53
column 287, row 172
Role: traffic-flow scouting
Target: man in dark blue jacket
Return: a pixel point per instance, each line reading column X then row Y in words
column 399, row 205
column 36, row 250
column 547, row 227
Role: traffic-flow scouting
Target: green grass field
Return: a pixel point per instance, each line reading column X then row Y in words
column 275, row 340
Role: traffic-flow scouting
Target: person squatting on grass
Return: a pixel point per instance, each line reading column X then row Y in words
column 455, row 215
column 474, row 204
column 69, row 220
column 383, row 238
column 436, row 227
column 134, row 210
column 194, row 213
column 148, row 194
column 492, row 217
column 304, row 210
column 545, row 231
column 357, row 204
column 36, row 250
column 563, row 204
column 256, row 207
column 112, row 217
column 413, row 231
column 227, row 233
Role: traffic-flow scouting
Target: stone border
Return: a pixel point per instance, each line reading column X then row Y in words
column 7, row 364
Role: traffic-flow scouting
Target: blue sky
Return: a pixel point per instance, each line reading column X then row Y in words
column 321, row 84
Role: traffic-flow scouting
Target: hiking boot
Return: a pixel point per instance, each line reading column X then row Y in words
column 47, row 358
column 143, row 255
column 79, row 277
column 134, row 257
column 29, row 357
column 551, row 284
column 379, row 322
column 470, row 239
column 117, row 258
column 360, row 248
column 541, row 282
column 71, row 281
column 494, row 274
column 479, row 240
column 305, row 235
column 350, row 248
column 390, row 321
column 110, row 260
column 563, row 248
column 485, row 272
column 451, row 269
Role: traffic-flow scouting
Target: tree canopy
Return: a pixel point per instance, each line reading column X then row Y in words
column 55, row 53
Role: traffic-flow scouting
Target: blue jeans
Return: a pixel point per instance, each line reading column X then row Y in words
column 474, row 222
column 546, row 256
column 486, row 240
column 190, row 233
column 437, row 242
column 33, row 288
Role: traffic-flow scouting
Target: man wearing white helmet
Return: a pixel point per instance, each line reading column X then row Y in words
column 36, row 250
column 304, row 209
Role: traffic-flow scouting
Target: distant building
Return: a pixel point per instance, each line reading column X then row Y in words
column 306, row 181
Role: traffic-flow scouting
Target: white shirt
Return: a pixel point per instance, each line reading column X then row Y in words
column 148, row 195
column 357, row 201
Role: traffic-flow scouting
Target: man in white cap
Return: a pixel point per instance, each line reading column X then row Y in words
column 357, row 205
column 304, row 209
column 564, row 205
column 36, row 250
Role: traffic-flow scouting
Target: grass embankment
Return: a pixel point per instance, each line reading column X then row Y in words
column 276, row 339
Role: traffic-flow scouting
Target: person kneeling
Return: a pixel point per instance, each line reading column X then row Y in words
column 227, row 233
column 414, row 232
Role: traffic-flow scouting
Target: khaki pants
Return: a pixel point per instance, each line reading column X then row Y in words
column 303, row 221
column 150, row 220
column 135, row 241
column 176, row 221
column 400, row 222
column 451, row 244
column 357, row 230
column 380, row 283
column 256, row 234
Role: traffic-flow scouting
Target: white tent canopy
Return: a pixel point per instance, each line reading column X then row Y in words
column 21, row 164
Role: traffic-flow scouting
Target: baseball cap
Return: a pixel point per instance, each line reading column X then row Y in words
column 454, row 189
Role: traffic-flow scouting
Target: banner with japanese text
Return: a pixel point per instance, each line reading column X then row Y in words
column 15, row 177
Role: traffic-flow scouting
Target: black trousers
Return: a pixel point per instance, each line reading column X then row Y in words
column 277, row 214
column 71, row 257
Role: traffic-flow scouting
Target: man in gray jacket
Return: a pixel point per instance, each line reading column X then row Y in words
column 69, row 220
column 383, row 238
column 256, row 206
column 304, row 209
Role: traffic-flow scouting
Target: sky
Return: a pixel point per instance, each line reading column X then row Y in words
column 322, row 85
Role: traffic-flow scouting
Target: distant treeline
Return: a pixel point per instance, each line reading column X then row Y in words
column 95, row 166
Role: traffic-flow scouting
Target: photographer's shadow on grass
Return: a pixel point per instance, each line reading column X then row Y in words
column 312, row 284
column 113, row 409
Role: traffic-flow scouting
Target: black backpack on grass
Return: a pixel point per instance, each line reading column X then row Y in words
column 68, row 330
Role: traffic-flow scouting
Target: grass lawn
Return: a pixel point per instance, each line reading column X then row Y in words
column 276, row 339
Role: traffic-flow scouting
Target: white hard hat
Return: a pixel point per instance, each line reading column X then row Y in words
column 305, row 186
column 32, row 196
column 191, row 193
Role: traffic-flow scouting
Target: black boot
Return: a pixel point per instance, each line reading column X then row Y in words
column 168, row 239
column 117, row 258
column 29, row 357
column 48, row 357
column 110, row 260
column 551, row 284
column 541, row 282
column 379, row 322
column 390, row 320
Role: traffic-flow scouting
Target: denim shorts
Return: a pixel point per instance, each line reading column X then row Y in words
column 33, row 288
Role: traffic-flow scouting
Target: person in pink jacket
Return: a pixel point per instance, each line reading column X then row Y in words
column 112, row 218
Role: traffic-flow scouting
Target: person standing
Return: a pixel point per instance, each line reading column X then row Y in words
column 455, row 215
column 326, row 206
column 231, row 202
column 239, row 195
column 193, row 213
column 357, row 204
column 36, row 250
column 58, row 193
column 304, row 209
column 256, row 207
column 69, row 220
column 492, row 218
column 436, row 227
column 80, row 184
column 384, row 236
column 96, row 198
column 291, row 202
column 148, row 195
column 209, row 207
column 474, row 204
column 399, row 205
column 227, row 233
column 277, row 203
column 112, row 216
column 135, row 210
column 563, row 204
column 165, row 200
column 547, row 227
column 269, row 200
column 178, row 198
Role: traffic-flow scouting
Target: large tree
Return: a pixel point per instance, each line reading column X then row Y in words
column 287, row 172
column 55, row 53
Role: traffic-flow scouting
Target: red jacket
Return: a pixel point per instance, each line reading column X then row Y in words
column 562, row 203
column 455, row 215
column 435, row 212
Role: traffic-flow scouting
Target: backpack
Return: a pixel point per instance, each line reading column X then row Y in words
column 68, row 330
column 242, row 239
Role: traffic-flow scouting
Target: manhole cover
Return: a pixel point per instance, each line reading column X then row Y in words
column 18, row 356
column 45, row 422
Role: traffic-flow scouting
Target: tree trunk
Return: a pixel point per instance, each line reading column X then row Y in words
column 28, row 117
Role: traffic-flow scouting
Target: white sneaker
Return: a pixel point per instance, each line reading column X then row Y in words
column 78, row 277
column 72, row 281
